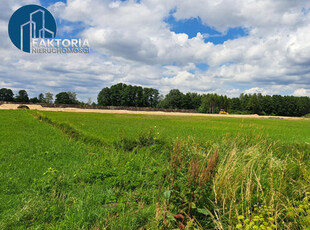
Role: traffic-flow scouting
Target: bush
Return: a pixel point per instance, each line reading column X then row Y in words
column 307, row 116
column 145, row 139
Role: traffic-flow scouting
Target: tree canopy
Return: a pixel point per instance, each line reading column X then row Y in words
column 22, row 96
column 6, row 94
column 66, row 98
column 271, row 105
column 128, row 95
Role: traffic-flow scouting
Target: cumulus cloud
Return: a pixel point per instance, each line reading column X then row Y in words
column 132, row 43
column 256, row 90
column 302, row 92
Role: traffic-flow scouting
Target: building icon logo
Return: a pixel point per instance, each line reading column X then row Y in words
column 31, row 22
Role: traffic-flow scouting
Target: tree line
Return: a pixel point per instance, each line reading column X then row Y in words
column 275, row 105
column 47, row 98
column 137, row 96
column 270, row 105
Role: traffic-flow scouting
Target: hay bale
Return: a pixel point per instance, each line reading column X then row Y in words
column 23, row 107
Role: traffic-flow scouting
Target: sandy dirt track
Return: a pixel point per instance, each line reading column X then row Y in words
column 39, row 107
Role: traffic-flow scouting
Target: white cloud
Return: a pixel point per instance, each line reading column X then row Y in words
column 302, row 92
column 256, row 90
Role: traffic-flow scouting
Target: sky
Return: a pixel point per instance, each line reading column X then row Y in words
column 206, row 46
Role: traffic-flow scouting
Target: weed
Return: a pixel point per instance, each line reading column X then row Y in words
column 260, row 218
column 190, row 180
column 298, row 215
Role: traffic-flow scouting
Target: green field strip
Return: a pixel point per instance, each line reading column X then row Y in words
column 70, row 131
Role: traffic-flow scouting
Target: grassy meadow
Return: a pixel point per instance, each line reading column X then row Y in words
column 121, row 171
column 113, row 126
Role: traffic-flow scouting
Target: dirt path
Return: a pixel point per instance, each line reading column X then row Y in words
column 39, row 107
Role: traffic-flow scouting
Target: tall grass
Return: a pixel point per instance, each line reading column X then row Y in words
column 252, row 176
column 236, row 183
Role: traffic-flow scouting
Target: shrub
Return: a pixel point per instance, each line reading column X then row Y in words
column 307, row 116
column 145, row 139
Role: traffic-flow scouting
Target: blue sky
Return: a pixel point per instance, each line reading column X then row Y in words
column 205, row 46
column 47, row 3
column 193, row 26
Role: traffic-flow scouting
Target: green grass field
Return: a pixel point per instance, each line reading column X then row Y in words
column 119, row 171
column 113, row 126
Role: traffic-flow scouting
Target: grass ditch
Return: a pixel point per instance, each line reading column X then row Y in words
column 69, row 130
column 145, row 139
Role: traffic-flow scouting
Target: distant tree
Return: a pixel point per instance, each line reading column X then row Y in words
column 192, row 101
column 22, row 96
column 208, row 103
column 244, row 98
column 267, row 105
column 62, row 98
column 34, row 100
column 152, row 96
column 253, row 104
column 173, row 100
column 160, row 98
column 66, row 98
column 73, row 97
column 278, row 108
column 117, row 94
column 213, row 103
column 6, row 94
column 48, row 98
column 41, row 98
column 89, row 101
column 139, row 101
column 235, row 104
column 128, row 95
column 303, row 106
column 104, row 97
